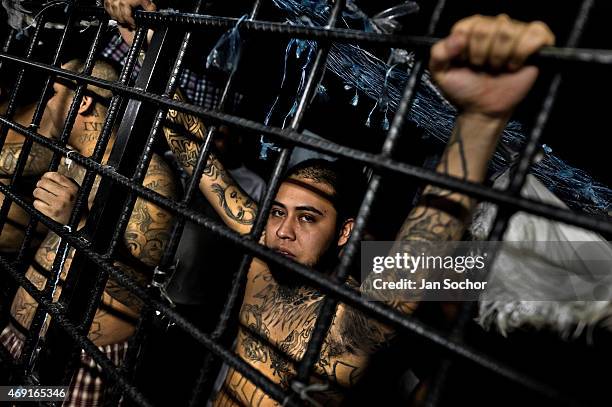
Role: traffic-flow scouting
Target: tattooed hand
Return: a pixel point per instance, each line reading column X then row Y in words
column 55, row 195
column 479, row 67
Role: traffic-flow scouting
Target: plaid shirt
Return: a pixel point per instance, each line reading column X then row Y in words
column 87, row 387
column 198, row 89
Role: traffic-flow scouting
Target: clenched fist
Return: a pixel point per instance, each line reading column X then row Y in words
column 480, row 65
column 55, row 195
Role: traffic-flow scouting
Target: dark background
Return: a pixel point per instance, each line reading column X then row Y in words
column 578, row 133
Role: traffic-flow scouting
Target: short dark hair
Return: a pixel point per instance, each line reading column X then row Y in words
column 347, row 181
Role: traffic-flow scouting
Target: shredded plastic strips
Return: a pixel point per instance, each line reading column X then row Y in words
column 382, row 82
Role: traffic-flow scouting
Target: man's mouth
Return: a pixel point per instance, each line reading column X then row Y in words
column 285, row 253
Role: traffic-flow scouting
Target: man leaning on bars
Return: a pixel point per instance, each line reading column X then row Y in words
column 140, row 250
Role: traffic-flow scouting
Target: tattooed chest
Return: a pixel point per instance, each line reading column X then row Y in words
column 276, row 324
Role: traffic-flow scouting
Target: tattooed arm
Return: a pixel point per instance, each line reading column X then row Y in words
column 147, row 232
column 479, row 68
column 184, row 134
column 461, row 65
column 39, row 157
column 36, row 164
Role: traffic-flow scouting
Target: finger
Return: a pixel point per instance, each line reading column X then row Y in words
column 43, row 195
column 60, row 179
column 42, row 207
column 464, row 27
column 534, row 37
column 115, row 12
column 148, row 5
column 127, row 13
column 480, row 40
column 60, row 191
column 505, row 40
column 444, row 52
column 127, row 34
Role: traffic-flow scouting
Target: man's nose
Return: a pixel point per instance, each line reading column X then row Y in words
column 286, row 229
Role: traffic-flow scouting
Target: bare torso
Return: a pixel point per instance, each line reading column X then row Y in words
column 114, row 322
column 285, row 317
column 13, row 231
column 38, row 160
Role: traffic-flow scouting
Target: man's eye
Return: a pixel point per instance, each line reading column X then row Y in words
column 276, row 213
column 307, row 218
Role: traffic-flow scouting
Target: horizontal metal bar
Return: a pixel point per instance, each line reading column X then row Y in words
column 321, row 281
column 82, row 341
column 284, row 30
column 234, row 361
column 190, row 21
column 378, row 162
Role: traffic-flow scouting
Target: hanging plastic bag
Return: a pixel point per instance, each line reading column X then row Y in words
column 387, row 20
column 226, row 52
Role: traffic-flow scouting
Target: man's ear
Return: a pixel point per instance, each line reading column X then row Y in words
column 87, row 103
column 345, row 231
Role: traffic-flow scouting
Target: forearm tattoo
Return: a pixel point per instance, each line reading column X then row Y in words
column 36, row 164
column 440, row 216
column 184, row 136
column 147, row 233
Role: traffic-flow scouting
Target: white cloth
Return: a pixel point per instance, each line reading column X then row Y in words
column 501, row 304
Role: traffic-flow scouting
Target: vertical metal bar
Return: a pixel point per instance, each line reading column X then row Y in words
column 327, row 311
column 531, row 148
column 36, row 119
column 10, row 111
column 101, row 145
column 516, row 185
column 30, row 350
column 239, row 279
column 12, row 105
column 7, row 44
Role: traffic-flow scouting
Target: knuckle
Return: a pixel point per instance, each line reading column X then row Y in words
column 482, row 31
column 463, row 25
column 505, row 35
column 436, row 51
column 508, row 27
column 540, row 28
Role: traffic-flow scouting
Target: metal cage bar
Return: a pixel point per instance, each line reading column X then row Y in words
column 595, row 223
column 328, row 286
column 29, row 353
column 508, row 201
column 340, row 274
